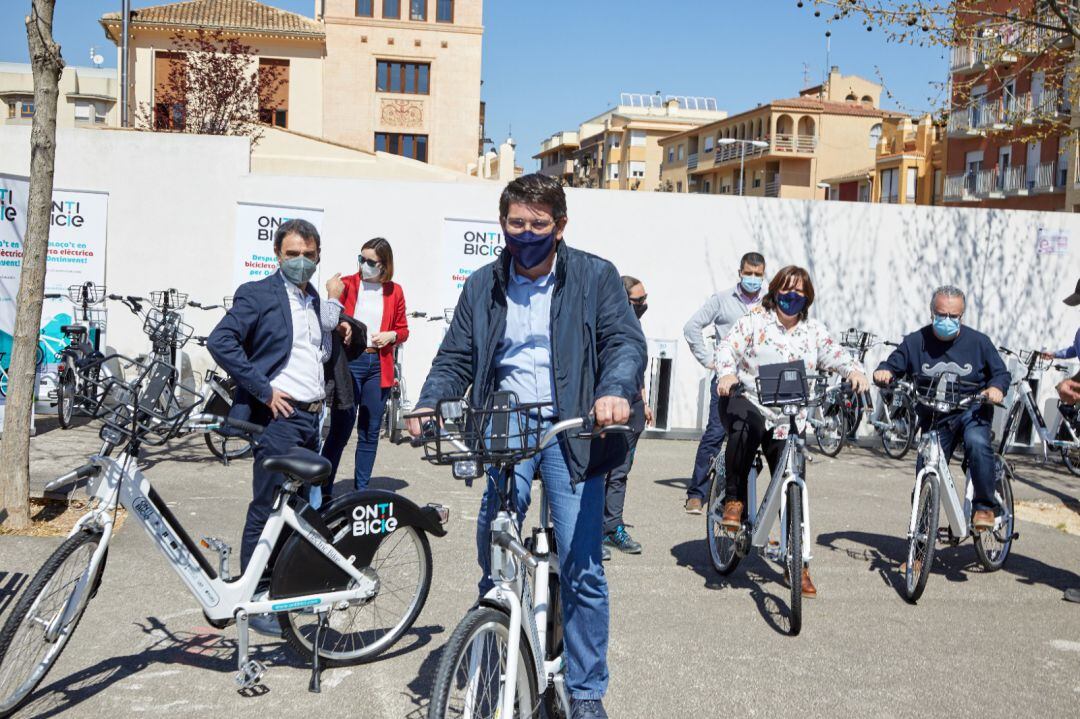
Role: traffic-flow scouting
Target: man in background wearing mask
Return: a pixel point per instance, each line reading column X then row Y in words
column 615, row 534
column 943, row 347
column 722, row 310
column 551, row 324
column 273, row 342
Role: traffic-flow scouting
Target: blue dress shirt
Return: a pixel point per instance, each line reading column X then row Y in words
column 1072, row 351
column 523, row 356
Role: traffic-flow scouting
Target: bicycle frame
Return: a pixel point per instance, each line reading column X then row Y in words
column 1026, row 396
column 772, row 506
column 122, row 482
column 936, row 468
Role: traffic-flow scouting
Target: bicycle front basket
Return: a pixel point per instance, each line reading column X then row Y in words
column 168, row 299
column 92, row 293
column 167, row 328
column 783, row 383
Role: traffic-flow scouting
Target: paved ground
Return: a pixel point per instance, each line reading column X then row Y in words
column 685, row 642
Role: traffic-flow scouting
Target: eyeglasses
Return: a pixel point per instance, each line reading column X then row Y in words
column 365, row 261
column 537, row 226
column 944, row 315
column 638, row 300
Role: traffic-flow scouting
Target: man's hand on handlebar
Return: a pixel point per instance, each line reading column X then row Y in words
column 413, row 424
column 883, row 377
column 611, row 410
column 725, row 383
column 858, row 381
column 1069, row 391
column 993, row 395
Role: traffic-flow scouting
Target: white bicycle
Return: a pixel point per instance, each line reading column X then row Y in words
column 505, row 657
column 346, row 584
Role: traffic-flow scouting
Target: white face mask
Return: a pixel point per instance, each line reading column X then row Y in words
column 370, row 273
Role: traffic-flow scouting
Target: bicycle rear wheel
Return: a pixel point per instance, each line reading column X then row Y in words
column 794, row 558
column 922, row 543
column 27, row 651
column 831, row 432
column 721, row 543
column 470, row 675
column 992, row 548
column 65, row 397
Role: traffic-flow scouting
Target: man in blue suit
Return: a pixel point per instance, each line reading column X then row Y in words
column 273, row 342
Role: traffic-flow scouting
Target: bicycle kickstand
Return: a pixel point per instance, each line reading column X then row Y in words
column 315, row 687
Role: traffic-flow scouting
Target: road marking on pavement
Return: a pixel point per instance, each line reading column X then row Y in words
column 1065, row 646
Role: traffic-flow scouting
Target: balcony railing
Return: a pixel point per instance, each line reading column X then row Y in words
column 987, row 183
column 692, row 161
column 960, row 188
column 772, row 189
column 1048, row 179
column 795, row 143
column 736, row 150
column 1014, row 179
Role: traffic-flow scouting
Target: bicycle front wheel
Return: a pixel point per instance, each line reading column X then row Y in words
column 360, row 632
column 32, row 640
column 794, row 559
column 830, row 433
column 471, row 672
column 923, row 541
column 897, row 439
column 65, row 398
column 992, row 548
column 721, row 543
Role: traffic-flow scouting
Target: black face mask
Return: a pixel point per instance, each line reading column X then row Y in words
column 639, row 310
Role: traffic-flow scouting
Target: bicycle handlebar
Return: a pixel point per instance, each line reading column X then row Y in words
column 213, row 421
column 87, row 470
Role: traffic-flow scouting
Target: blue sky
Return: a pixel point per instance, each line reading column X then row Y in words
column 549, row 64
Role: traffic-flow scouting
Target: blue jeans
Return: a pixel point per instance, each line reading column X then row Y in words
column 366, row 415
column 577, row 514
column 710, row 444
column 973, row 428
column 300, row 429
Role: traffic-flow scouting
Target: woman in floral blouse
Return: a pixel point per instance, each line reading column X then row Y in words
column 779, row 331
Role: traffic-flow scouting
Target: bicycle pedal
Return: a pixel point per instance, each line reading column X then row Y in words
column 250, row 675
column 224, row 552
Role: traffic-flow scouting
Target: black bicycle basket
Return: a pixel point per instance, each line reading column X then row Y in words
column 166, row 328
column 503, row 431
column 944, row 393
column 783, row 383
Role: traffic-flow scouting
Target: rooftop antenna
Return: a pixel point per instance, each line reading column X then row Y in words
column 806, row 74
column 828, row 61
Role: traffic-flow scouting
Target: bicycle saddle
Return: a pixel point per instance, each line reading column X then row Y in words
column 73, row 330
column 302, row 464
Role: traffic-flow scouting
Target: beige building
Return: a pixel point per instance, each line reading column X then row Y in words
column 787, row 147
column 395, row 76
column 909, row 167
column 87, row 96
column 404, row 76
column 619, row 149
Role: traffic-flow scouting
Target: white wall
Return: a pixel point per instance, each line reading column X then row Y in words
column 172, row 213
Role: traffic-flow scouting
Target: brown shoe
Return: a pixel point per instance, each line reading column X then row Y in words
column 983, row 520
column 808, row 588
column 693, row 506
column 732, row 518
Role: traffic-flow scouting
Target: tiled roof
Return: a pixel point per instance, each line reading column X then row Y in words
column 238, row 15
column 832, row 107
column 851, row 176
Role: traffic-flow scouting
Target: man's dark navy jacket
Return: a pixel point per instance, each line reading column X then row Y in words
column 597, row 347
column 253, row 341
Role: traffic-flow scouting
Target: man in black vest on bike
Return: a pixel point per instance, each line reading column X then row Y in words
column 943, row 347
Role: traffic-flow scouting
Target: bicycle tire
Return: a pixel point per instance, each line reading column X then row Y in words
column 394, row 419
column 39, row 356
column 794, row 559
column 65, row 398
column 923, row 542
column 552, row 706
column 223, row 446
column 1071, row 457
column 12, row 699
column 992, row 548
column 3, row 382
column 1008, row 430
column 483, row 619
column 834, row 417
column 905, row 414
column 721, row 545
column 300, row 638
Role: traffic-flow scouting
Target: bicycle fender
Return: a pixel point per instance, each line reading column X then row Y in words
column 356, row 524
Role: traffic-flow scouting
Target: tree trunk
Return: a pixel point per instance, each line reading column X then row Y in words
column 47, row 65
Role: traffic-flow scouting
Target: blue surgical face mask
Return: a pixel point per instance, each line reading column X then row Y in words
column 750, row 284
column 790, row 303
column 298, row 270
column 528, row 248
column 946, row 327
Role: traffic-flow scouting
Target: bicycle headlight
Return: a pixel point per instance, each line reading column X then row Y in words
column 466, row 469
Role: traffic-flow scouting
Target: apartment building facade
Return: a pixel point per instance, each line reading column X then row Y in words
column 87, row 96
column 619, row 149
column 782, row 149
column 1010, row 127
column 395, row 76
column 909, row 167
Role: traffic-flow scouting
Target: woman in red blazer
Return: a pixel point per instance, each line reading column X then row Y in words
column 371, row 297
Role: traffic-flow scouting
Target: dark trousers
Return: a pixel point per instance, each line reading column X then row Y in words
column 707, row 448
column 366, row 416
column 615, row 489
column 972, row 427
column 746, row 432
column 301, row 429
